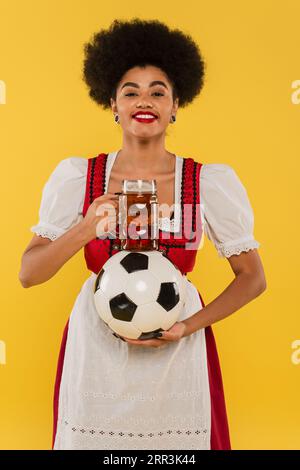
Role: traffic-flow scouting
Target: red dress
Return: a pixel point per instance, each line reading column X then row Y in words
column 99, row 250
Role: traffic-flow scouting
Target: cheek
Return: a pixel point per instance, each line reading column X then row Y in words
column 124, row 106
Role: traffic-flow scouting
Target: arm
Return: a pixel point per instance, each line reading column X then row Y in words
column 43, row 258
column 249, row 283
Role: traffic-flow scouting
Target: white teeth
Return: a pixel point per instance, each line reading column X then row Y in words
column 145, row 116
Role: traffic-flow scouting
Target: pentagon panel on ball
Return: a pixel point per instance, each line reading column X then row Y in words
column 139, row 293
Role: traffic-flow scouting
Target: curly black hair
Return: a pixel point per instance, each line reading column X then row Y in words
column 137, row 42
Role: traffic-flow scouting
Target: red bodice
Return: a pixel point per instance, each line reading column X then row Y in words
column 180, row 247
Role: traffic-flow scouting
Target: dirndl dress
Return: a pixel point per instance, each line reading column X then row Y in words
column 110, row 394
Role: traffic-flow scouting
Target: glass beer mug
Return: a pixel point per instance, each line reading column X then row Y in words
column 138, row 215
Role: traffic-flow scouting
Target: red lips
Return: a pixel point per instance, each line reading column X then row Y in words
column 144, row 112
column 145, row 120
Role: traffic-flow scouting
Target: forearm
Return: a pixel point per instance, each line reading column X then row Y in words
column 239, row 292
column 42, row 262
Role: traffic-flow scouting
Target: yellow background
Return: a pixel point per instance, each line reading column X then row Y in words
column 244, row 117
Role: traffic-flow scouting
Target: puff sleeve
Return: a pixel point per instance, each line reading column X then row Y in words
column 228, row 215
column 62, row 198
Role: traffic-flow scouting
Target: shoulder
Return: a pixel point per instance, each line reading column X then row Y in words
column 221, row 176
column 215, row 169
column 214, row 174
column 69, row 172
column 71, row 165
column 68, row 169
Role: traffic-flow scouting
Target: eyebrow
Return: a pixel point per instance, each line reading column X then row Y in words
column 155, row 82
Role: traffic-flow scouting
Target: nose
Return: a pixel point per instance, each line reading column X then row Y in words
column 144, row 105
column 144, row 102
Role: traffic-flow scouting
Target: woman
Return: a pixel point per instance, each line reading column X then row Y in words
column 165, row 392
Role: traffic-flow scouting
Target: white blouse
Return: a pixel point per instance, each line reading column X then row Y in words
column 227, row 215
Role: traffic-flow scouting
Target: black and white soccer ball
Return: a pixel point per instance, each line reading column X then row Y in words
column 139, row 292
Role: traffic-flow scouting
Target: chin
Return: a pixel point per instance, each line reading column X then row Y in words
column 144, row 134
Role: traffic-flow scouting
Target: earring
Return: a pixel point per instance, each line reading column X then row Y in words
column 173, row 119
column 117, row 118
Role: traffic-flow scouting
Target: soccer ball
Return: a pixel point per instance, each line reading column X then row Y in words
column 138, row 293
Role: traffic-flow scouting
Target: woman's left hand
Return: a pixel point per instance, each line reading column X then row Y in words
column 175, row 333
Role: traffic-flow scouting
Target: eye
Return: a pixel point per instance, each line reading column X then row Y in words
column 155, row 93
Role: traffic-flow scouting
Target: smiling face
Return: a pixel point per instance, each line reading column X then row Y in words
column 142, row 90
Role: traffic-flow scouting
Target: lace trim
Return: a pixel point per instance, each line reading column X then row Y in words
column 70, row 436
column 227, row 251
column 93, row 441
column 110, row 433
column 46, row 233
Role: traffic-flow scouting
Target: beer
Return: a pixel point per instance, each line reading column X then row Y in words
column 138, row 215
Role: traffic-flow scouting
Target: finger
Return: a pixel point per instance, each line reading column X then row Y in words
column 102, row 209
column 107, row 202
column 107, row 196
column 167, row 336
column 106, row 211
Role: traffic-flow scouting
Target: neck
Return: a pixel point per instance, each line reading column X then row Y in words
column 138, row 155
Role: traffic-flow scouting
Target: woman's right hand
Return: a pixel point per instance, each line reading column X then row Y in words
column 101, row 216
